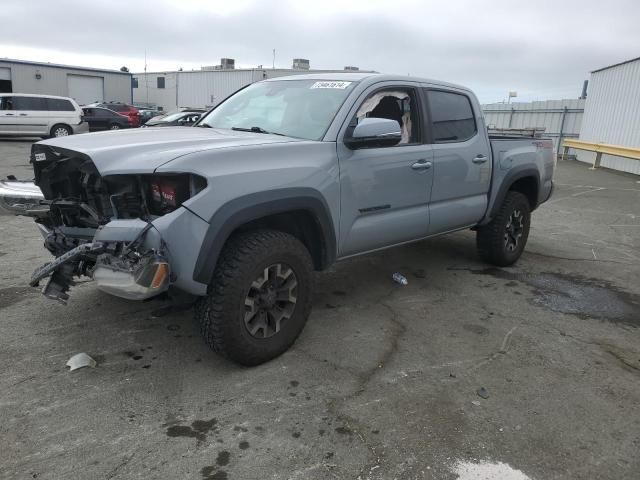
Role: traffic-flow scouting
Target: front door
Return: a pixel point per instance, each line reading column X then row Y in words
column 8, row 120
column 385, row 191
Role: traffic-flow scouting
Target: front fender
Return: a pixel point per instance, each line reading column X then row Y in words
column 254, row 206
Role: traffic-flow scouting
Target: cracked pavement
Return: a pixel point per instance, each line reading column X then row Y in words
column 382, row 382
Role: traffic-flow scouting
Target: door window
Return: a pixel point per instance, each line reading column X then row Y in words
column 59, row 105
column 29, row 103
column 452, row 118
column 393, row 104
column 6, row 103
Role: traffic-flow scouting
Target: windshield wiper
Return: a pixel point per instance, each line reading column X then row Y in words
column 257, row 130
column 204, row 125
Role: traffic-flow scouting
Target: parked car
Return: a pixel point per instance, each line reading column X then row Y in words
column 100, row 118
column 286, row 176
column 177, row 119
column 147, row 114
column 44, row 116
column 123, row 108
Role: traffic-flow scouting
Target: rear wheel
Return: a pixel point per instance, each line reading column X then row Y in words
column 260, row 297
column 502, row 241
column 60, row 131
column 114, row 126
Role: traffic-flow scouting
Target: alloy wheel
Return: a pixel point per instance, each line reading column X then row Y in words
column 513, row 230
column 271, row 300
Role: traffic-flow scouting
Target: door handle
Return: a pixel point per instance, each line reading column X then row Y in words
column 422, row 165
column 480, row 159
column 8, row 114
column 23, row 114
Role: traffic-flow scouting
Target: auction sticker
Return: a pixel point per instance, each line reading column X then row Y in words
column 339, row 85
column 40, row 157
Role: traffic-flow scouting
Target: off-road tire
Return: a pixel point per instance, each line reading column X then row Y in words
column 221, row 314
column 490, row 238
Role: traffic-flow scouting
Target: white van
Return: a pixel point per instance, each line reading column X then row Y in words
column 29, row 115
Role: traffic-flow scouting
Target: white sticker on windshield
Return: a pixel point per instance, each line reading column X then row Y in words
column 339, row 85
column 40, row 157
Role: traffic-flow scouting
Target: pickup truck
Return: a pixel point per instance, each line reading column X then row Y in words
column 284, row 177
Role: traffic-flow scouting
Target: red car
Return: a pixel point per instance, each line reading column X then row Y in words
column 123, row 109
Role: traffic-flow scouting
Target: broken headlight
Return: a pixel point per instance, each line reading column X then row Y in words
column 167, row 192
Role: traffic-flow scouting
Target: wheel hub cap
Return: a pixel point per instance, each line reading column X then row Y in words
column 271, row 300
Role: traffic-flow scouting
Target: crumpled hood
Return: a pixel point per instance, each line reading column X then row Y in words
column 142, row 150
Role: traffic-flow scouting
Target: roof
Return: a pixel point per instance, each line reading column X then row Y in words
column 616, row 65
column 58, row 65
column 372, row 77
column 38, row 95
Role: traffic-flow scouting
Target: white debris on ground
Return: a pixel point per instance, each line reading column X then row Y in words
column 485, row 470
column 79, row 361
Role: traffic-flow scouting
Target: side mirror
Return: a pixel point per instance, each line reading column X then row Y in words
column 374, row 132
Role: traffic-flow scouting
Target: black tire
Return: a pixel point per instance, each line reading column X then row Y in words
column 222, row 315
column 60, row 130
column 114, row 126
column 502, row 241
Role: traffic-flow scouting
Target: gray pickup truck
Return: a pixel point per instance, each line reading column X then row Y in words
column 284, row 177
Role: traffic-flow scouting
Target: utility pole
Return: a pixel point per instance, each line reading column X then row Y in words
column 146, row 80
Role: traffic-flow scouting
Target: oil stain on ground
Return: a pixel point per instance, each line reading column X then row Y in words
column 198, row 429
column 576, row 295
column 210, row 473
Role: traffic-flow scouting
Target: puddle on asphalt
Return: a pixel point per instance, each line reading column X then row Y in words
column 487, row 470
column 583, row 297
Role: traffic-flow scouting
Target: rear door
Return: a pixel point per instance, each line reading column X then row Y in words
column 32, row 115
column 461, row 159
column 384, row 191
column 8, row 121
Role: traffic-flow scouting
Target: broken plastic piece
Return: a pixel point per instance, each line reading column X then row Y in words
column 482, row 392
column 80, row 360
column 401, row 279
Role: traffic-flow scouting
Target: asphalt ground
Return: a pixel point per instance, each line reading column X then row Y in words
column 383, row 382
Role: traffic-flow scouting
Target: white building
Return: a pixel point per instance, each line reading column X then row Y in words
column 612, row 113
column 560, row 118
column 207, row 87
column 85, row 85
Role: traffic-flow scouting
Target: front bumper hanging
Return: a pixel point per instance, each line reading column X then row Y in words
column 128, row 272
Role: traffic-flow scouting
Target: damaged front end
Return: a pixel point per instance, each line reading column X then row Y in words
column 100, row 227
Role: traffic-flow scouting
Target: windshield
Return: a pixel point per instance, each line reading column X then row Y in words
column 295, row 108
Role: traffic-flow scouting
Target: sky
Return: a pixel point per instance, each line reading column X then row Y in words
column 543, row 49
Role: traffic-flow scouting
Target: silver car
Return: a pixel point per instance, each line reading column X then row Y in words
column 28, row 115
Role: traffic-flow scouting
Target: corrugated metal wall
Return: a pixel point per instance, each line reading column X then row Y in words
column 202, row 88
column 208, row 88
column 612, row 114
column 53, row 80
column 148, row 92
column 548, row 114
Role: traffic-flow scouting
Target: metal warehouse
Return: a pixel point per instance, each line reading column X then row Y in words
column 612, row 113
column 206, row 87
column 85, row 85
column 559, row 118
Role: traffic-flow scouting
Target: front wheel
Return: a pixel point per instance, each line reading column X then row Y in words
column 260, row 297
column 114, row 126
column 502, row 241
